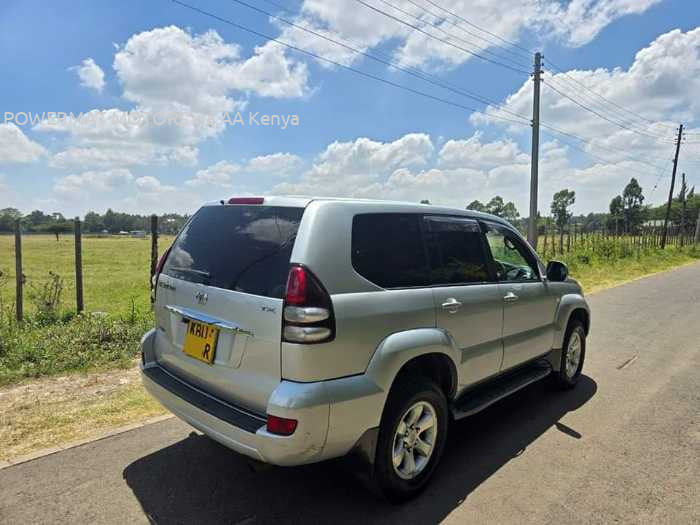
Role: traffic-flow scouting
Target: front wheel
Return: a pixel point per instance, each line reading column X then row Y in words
column 573, row 353
column 411, row 438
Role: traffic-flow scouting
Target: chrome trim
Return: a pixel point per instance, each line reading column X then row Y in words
column 214, row 321
column 305, row 314
column 306, row 334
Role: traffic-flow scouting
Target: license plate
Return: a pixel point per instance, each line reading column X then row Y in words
column 200, row 341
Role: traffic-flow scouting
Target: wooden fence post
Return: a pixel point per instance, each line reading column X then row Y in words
column 78, row 267
column 19, row 277
column 154, row 247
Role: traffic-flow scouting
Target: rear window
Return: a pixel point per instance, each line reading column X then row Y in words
column 241, row 248
column 387, row 249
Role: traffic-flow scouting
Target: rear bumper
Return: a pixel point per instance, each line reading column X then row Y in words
column 331, row 415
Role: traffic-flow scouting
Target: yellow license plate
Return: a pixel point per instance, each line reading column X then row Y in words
column 200, row 341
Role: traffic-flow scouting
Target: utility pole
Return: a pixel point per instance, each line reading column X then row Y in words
column 535, row 155
column 673, row 182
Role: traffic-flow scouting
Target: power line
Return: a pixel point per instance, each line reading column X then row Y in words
column 415, row 72
column 522, row 119
column 512, row 44
column 596, row 157
column 451, row 35
column 475, row 35
column 335, row 63
column 560, row 70
column 605, row 99
column 446, row 42
column 594, row 112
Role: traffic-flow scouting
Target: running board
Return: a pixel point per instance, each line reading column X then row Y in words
column 484, row 396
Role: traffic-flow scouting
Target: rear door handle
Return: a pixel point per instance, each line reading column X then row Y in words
column 451, row 305
column 510, row 297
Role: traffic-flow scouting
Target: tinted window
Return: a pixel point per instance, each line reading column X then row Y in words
column 387, row 249
column 513, row 260
column 456, row 251
column 242, row 248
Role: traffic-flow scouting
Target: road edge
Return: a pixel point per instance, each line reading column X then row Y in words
column 74, row 444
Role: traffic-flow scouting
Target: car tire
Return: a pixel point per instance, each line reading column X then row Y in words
column 573, row 353
column 414, row 423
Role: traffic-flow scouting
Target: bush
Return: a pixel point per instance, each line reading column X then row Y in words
column 83, row 342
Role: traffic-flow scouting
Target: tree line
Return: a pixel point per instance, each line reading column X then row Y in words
column 109, row 222
column 627, row 212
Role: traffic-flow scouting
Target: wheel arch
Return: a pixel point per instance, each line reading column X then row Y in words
column 429, row 352
column 571, row 306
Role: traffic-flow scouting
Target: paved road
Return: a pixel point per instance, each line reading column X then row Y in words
column 624, row 446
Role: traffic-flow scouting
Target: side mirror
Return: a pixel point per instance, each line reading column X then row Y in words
column 557, row 271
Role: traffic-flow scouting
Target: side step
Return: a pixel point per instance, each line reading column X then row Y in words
column 481, row 397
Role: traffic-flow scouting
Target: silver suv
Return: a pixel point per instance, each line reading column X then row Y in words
column 295, row 330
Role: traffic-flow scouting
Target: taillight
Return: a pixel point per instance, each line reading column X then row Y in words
column 308, row 312
column 281, row 425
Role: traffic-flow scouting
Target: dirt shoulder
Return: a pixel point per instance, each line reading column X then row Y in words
column 54, row 411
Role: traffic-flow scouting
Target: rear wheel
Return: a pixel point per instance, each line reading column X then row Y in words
column 411, row 438
column 573, row 353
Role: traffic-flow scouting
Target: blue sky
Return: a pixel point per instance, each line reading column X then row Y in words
column 355, row 136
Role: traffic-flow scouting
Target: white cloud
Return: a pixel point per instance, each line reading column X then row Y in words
column 279, row 164
column 79, row 185
column 90, row 74
column 168, row 67
column 221, row 173
column 15, row 147
column 171, row 70
column 218, row 174
column 661, row 85
column 575, row 23
column 475, row 154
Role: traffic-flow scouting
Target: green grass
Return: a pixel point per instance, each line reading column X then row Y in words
column 82, row 343
column 115, row 270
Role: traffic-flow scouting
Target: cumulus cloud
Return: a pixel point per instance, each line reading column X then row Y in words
column 218, row 174
column 90, row 74
column 279, row 164
column 92, row 181
column 15, row 147
column 575, row 23
column 170, row 70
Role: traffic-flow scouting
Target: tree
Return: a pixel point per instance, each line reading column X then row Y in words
column 510, row 212
column 632, row 201
column 425, row 201
column 8, row 216
column 616, row 210
column 560, row 211
column 476, row 205
column 57, row 228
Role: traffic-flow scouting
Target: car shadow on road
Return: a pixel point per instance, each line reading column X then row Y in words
column 199, row 481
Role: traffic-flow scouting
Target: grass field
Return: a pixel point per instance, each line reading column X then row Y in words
column 115, row 269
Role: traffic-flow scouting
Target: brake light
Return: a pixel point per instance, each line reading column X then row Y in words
column 296, row 285
column 281, row 425
column 308, row 310
column 246, row 200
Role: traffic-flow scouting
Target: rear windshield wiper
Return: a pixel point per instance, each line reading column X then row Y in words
column 202, row 273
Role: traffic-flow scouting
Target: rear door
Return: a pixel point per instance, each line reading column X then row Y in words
column 528, row 306
column 467, row 300
column 220, row 298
